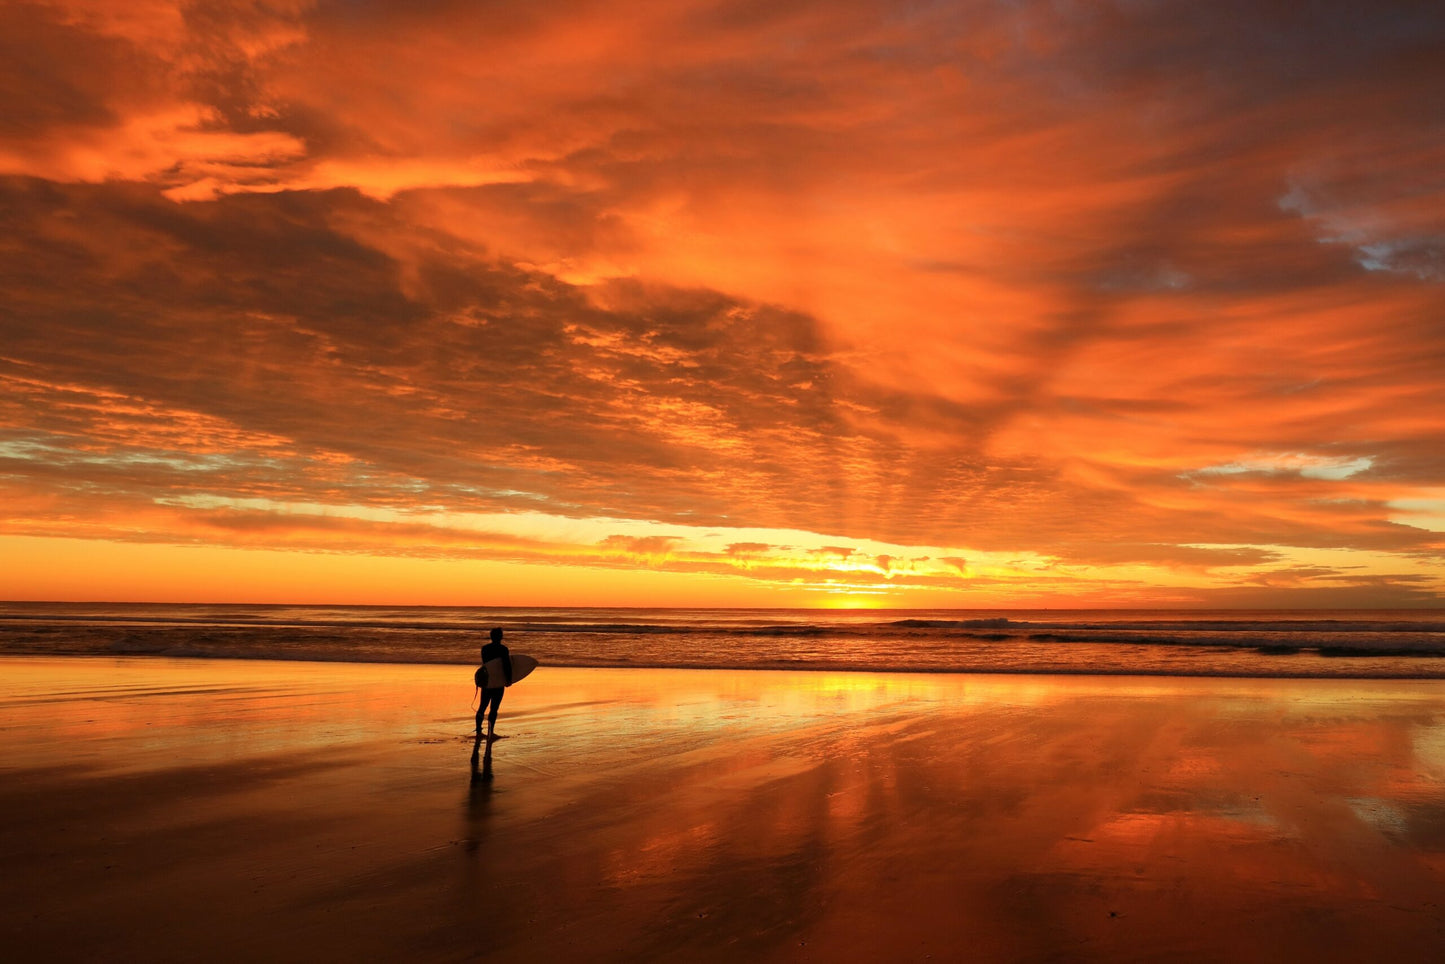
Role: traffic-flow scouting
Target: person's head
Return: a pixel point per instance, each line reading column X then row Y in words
column 497, row 635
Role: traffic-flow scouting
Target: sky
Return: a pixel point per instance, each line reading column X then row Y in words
column 981, row 304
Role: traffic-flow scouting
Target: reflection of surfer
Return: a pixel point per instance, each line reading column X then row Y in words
column 481, row 762
column 492, row 695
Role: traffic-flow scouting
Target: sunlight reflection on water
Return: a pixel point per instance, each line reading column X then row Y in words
column 789, row 806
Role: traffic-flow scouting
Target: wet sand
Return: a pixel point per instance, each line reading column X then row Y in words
column 168, row 810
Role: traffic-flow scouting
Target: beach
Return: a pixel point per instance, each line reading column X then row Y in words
column 168, row 809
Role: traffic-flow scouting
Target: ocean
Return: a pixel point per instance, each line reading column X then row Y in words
column 1370, row 644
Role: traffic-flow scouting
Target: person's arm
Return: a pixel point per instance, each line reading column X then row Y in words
column 507, row 662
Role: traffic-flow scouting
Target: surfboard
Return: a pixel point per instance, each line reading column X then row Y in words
column 522, row 666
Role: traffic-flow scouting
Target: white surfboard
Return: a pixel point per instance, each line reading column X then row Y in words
column 522, row 665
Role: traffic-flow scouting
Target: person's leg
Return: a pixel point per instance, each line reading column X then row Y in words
column 495, row 699
column 481, row 711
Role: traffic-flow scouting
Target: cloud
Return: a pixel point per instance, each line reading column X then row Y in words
column 1309, row 466
column 1146, row 287
column 641, row 545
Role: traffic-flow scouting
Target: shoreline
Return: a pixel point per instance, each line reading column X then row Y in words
column 803, row 667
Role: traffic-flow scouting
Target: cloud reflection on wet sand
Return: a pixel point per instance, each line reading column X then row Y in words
column 652, row 813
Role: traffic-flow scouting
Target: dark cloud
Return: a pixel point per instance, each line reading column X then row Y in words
column 274, row 317
column 56, row 74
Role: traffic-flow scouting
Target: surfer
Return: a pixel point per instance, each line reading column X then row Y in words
column 492, row 695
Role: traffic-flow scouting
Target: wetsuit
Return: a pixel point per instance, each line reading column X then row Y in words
column 492, row 695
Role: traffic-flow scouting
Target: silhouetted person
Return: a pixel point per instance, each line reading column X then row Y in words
column 492, row 695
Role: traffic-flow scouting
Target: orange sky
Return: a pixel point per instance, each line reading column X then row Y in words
column 721, row 303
